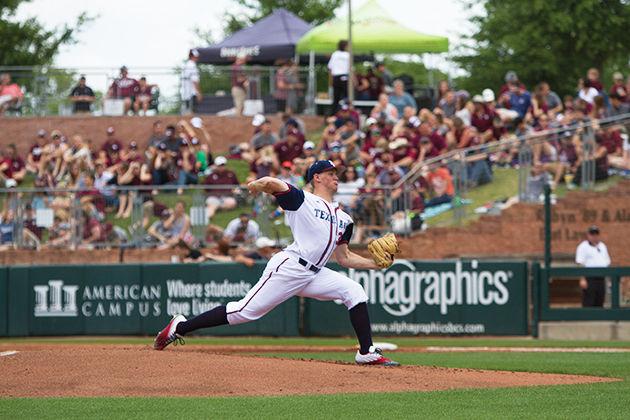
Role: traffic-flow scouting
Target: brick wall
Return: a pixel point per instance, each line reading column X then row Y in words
column 225, row 131
column 518, row 231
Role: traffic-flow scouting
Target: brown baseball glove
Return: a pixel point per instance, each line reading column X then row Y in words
column 383, row 250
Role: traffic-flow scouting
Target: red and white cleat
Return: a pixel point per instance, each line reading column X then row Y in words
column 374, row 357
column 168, row 335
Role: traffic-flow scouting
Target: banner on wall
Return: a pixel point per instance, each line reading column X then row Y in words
column 422, row 298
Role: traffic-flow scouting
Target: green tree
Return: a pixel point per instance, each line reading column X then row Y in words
column 28, row 42
column 550, row 40
column 311, row 11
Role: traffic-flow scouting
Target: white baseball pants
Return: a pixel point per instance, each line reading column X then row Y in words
column 284, row 278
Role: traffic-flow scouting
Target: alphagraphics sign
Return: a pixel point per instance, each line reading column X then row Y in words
column 404, row 287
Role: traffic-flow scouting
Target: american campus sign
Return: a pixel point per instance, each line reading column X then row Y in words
column 410, row 298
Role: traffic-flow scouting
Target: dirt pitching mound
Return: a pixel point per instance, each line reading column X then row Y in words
column 128, row 370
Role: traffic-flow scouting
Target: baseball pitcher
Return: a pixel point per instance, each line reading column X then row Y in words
column 320, row 230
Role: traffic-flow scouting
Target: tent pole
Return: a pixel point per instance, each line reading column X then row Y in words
column 351, row 70
column 311, row 88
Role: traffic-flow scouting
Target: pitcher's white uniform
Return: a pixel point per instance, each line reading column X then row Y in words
column 318, row 227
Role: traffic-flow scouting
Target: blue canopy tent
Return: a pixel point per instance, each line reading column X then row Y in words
column 271, row 38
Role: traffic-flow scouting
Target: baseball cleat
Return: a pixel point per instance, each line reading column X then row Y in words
column 374, row 357
column 168, row 335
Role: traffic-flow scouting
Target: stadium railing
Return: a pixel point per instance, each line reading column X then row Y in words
column 458, row 163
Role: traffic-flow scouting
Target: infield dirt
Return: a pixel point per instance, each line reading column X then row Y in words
column 137, row 370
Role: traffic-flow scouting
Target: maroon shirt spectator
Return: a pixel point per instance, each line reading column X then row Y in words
column 619, row 87
column 438, row 141
column 11, row 165
column 482, row 117
column 108, row 145
column 593, row 77
column 221, row 176
column 377, row 85
column 290, row 148
column 123, row 87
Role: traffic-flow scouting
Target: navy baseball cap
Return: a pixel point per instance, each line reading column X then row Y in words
column 319, row 167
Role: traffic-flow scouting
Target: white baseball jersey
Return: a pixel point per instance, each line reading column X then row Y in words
column 318, row 228
column 317, row 225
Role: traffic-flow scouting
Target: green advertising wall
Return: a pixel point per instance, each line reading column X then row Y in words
column 128, row 299
column 418, row 298
column 411, row 298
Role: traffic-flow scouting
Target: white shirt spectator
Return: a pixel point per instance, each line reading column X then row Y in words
column 588, row 94
column 339, row 63
column 346, row 191
column 190, row 76
column 101, row 183
column 589, row 255
column 251, row 232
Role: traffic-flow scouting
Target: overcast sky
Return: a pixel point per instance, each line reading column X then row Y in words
column 146, row 34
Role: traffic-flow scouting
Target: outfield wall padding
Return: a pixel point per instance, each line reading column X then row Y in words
column 410, row 298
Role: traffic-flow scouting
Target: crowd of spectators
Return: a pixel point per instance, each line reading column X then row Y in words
column 372, row 152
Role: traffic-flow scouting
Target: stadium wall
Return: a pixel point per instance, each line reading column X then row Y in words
column 225, row 131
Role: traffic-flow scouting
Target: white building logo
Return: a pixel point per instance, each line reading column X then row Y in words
column 55, row 299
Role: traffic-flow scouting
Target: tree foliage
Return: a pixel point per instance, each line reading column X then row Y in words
column 550, row 40
column 28, row 42
column 311, row 11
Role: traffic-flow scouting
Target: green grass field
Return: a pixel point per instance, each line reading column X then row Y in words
column 605, row 401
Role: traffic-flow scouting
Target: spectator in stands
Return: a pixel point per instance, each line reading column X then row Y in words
column 282, row 86
column 511, row 78
column 587, row 92
column 384, row 110
column 7, row 229
column 178, row 224
column 79, row 153
column 290, row 120
column 347, row 111
column 400, row 99
column 290, row 148
column 82, row 97
column 554, row 104
column 240, row 83
column 464, row 108
column 376, row 83
column 157, row 135
column 266, row 137
column 617, row 105
column 12, row 167
column 403, row 153
column 385, row 75
column 348, row 189
column 242, row 230
column 11, row 94
column 517, row 99
column 592, row 76
column 34, row 157
column 187, row 166
column 618, row 87
column 448, row 103
column 158, row 232
column 31, row 232
column 443, row 89
column 94, row 232
column 220, row 198
column 307, row 158
column 339, row 71
column 111, row 143
column 294, row 87
column 143, row 95
column 599, row 156
column 442, row 187
column 361, row 87
column 482, row 118
column 537, row 178
column 461, row 136
column 288, row 175
column 191, row 89
column 123, row 88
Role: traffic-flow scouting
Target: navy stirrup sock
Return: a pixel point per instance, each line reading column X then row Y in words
column 361, row 323
column 211, row 318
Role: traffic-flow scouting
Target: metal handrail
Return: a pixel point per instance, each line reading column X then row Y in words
column 540, row 136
